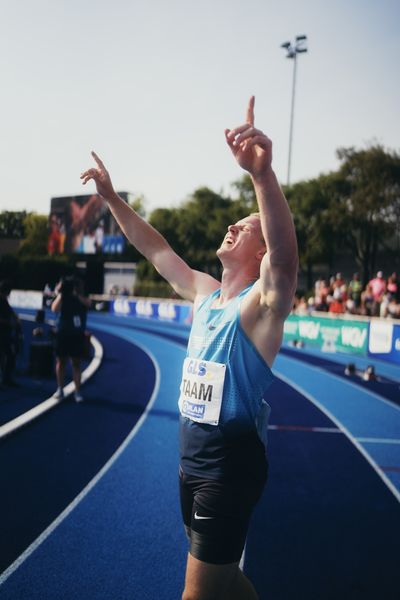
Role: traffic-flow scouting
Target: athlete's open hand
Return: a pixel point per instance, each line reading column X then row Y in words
column 100, row 176
column 250, row 146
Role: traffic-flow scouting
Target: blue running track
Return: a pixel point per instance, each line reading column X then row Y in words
column 91, row 510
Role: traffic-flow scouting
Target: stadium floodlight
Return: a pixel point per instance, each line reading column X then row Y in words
column 293, row 50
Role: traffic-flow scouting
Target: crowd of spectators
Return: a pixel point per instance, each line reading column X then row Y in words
column 379, row 298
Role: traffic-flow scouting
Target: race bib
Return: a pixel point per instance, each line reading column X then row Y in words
column 202, row 386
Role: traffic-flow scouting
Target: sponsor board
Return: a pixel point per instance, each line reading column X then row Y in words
column 146, row 309
column 328, row 334
column 380, row 337
column 384, row 341
column 26, row 299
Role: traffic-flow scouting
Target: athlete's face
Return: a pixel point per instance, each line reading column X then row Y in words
column 243, row 238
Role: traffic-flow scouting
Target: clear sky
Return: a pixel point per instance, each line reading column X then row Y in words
column 152, row 84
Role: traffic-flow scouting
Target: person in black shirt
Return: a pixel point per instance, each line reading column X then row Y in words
column 10, row 335
column 70, row 336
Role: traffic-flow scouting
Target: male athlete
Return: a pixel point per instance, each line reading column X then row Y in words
column 236, row 334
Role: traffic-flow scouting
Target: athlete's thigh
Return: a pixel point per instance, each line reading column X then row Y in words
column 186, row 499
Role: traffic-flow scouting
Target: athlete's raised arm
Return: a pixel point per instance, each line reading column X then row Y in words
column 278, row 271
column 187, row 282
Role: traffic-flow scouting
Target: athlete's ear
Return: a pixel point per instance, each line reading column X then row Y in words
column 260, row 253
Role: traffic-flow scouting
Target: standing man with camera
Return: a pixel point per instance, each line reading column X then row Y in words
column 236, row 333
column 72, row 307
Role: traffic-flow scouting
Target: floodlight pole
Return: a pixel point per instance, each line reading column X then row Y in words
column 292, row 51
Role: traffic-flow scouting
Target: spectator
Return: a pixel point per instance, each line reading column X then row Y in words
column 369, row 374
column 70, row 336
column 321, row 294
column 10, row 336
column 350, row 307
column 379, row 298
column 302, row 307
column 393, row 309
column 321, row 304
column 392, row 287
column 337, row 285
column 378, row 288
column 336, row 306
column 318, row 286
column 367, row 301
column 350, row 370
column 311, row 304
column 354, row 291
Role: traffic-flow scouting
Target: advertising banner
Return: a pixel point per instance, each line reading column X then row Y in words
column 384, row 340
column 328, row 334
column 148, row 309
column 26, row 299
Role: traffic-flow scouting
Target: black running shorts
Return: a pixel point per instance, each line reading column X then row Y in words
column 216, row 515
column 72, row 345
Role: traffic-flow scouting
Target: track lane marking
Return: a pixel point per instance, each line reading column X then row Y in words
column 373, row 440
column 304, row 428
column 348, row 434
column 51, row 402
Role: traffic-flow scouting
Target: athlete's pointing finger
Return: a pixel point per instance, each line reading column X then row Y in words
column 98, row 160
column 250, row 111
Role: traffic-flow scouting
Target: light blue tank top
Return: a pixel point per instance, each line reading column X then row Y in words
column 217, row 335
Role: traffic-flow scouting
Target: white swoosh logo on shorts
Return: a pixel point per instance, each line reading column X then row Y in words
column 198, row 517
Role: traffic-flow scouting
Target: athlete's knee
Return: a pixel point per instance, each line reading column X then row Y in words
column 192, row 595
column 197, row 595
column 241, row 589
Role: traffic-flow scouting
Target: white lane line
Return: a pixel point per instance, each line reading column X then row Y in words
column 372, row 440
column 388, row 369
column 46, row 405
column 43, row 536
column 304, row 428
column 354, row 440
column 348, row 382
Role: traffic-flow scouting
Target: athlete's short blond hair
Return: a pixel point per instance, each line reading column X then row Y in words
column 257, row 214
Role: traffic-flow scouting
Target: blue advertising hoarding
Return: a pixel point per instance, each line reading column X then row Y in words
column 150, row 309
column 384, row 340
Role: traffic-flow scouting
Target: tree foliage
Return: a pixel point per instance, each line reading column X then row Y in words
column 138, row 203
column 368, row 208
column 246, row 200
column 12, row 224
column 311, row 204
column 36, row 234
column 356, row 208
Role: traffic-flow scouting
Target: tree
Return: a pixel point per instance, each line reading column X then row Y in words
column 36, row 234
column 368, row 207
column 311, row 204
column 246, row 202
column 138, row 203
column 12, row 224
